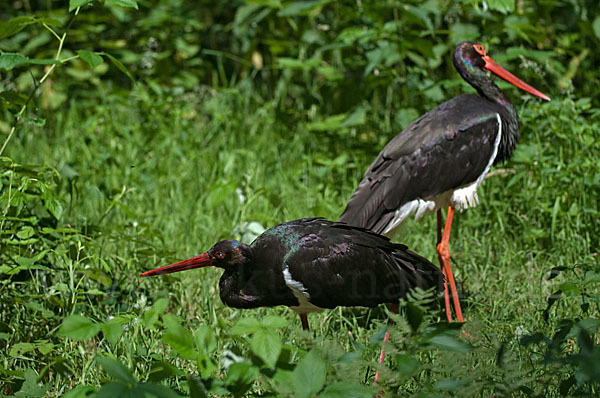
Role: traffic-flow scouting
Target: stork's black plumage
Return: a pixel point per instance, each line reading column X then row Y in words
column 311, row 264
column 442, row 157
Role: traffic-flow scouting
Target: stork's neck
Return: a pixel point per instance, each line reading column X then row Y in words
column 508, row 115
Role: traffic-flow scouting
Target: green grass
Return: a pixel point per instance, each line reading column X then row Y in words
column 151, row 179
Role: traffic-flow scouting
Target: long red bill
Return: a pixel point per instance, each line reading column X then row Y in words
column 203, row 260
column 496, row 69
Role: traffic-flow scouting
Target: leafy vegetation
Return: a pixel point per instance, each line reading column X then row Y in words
column 135, row 133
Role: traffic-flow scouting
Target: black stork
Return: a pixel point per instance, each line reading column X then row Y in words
column 311, row 264
column 442, row 158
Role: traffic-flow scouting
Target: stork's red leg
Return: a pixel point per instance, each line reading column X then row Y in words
column 443, row 250
column 440, row 221
column 304, row 320
column 393, row 307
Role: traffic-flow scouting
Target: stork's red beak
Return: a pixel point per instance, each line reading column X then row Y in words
column 203, row 260
column 496, row 69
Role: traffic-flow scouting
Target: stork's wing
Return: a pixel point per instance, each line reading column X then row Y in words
column 446, row 148
column 340, row 265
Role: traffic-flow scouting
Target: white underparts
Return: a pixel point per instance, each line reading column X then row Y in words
column 301, row 293
column 461, row 198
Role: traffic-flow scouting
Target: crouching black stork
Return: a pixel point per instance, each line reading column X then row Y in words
column 312, row 264
column 442, row 158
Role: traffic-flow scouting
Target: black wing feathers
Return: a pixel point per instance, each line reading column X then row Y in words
column 444, row 149
column 348, row 266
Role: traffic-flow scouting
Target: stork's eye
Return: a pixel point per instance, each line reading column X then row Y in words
column 220, row 255
column 479, row 48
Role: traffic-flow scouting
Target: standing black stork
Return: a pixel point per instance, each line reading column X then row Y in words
column 311, row 264
column 442, row 158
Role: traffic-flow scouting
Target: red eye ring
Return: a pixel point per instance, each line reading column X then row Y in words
column 479, row 48
column 220, row 255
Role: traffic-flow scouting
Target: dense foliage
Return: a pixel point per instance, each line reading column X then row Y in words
column 134, row 133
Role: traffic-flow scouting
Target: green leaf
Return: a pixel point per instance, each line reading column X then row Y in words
column 26, row 232
column 20, row 349
column 112, row 390
column 206, row 366
column 80, row 392
column 504, row 6
column 121, row 3
column 31, row 388
column 15, row 25
column 14, row 97
column 116, row 370
column 414, row 314
column 449, row 384
column 301, row 8
column 160, row 370
column 9, row 61
column 245, row 326
column 155, row 390
column 73, row 4
column 596, row 27
column 196, row 387
column 309, row 375
column 346, row 389
column 178, row 337
column 112, row 331
column 78, row 327
column 330, row 123
column 45, row 347
column 151, row 315
column 267, row 346
column 90, row 57
column 406, row 364
column 275, row 322
column 240, row 377
column 205, row 339
column 356, row 118
column 54, row 206
column 119, row 66
column 447, row 342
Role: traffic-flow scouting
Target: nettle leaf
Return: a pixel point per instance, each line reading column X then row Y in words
column 178, row 337
column 448, row 342
column 9, row 61
column 151, row 315
column 345, row 389
column 112, row 331
column 309, row 375
column 406, row 364
column 414, row 314
column 31, row 388
column 267, row 346
column 90, row 57
column 245, row 326
column 205, row 339
column 80, row 392
column 121, row 3
column 73, row 4
column 116, row 370
column 275, row 322
column 155, row 390
column 197, row 388
column 15, row 25
column 78, row 327
column 240, row 377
